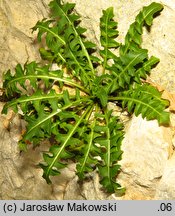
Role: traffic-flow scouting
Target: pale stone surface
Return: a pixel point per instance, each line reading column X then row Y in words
column 148, row 161
column 166, row 187
column 17, row 42
column 20, row 175
column 147, row 148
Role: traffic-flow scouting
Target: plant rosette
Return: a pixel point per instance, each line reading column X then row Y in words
column 69, row 105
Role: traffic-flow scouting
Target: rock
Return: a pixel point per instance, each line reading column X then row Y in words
column 17, row 42
column 166, row 188
column 90, row 189
column 147, row 149
column 147, row 166
column 20, row 175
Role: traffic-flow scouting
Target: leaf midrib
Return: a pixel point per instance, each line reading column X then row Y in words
column 141, row 23
column 65, row 142
column 55, row 113
column 128, row 65
column 37, row 76
column 82, row 44
column 53, row 33
column 135, row 100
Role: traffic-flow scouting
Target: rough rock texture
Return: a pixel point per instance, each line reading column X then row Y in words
column 147, row 148
column 148, row 165
column 166, row 188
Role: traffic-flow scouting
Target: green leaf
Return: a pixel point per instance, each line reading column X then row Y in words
column 108, row 29
column 145, row 100
column 69, row 106
column 59, row 152
column 25, row 101
column 102, row 95
column 109, row 33
column 65, row 41
column 150, row 11
column 133, row 65
column 34, row 73
column 110, row 144
column 126, row 67
column 133, row 37
column 143, row 71
column 87, row 160
column 132, row 58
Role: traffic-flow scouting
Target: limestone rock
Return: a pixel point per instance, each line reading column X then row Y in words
column 147, row 148
column 166, row 188
column 20, row 175
column 17, row 42
column 90, row 189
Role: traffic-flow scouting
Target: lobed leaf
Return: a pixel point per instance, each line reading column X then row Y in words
column 133, row 37
column 146, row 100
column 109, row 33
column 110, row 144
column 68, row 106
column 65, row 41
column 134, row 64
column 53, row 163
